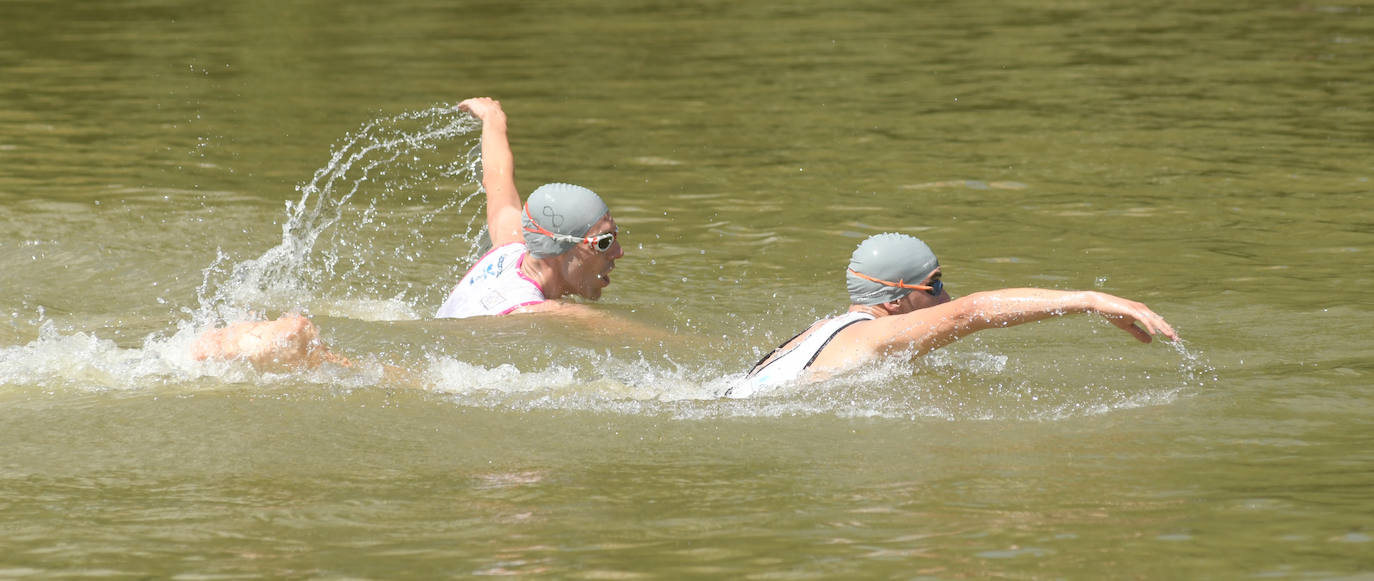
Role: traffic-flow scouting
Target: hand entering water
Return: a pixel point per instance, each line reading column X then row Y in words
column 288, row 342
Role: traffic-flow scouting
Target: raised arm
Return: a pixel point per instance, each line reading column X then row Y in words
column 498, row 172
column 931, row 328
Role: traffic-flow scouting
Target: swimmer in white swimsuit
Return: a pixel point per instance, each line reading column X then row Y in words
column 886, row 318
column 528, row 274
column 563, row 241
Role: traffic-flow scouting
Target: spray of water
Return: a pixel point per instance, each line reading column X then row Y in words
column 385, row 221
column 376, row 228
column 1194, row 368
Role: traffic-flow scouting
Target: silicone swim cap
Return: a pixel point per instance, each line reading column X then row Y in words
column 563, row 209
column 890, row 257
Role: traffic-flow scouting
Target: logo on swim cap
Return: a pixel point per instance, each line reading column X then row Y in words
column 887, row 257
column 566, row 210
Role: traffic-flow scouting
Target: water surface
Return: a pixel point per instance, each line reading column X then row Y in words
column 164, row 167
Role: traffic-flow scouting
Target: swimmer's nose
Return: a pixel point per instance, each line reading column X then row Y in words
column 616, row 251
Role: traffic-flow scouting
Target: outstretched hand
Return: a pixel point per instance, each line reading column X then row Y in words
column 485, row 108
column 1131, row 316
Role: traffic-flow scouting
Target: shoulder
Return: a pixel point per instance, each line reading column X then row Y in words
column 509, row 248
column 500, row 257
column 838, row 341
column 919, row 331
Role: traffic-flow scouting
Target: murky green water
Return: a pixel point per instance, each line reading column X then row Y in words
column 1213, row 160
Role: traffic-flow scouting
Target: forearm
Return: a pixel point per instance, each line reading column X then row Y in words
column 1010, row 307
column 498, row 172
column 927, row 329
column 1016, row 306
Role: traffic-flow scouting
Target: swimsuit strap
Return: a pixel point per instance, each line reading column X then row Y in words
column 759, row 365
column 822, row 322
column 829, row 339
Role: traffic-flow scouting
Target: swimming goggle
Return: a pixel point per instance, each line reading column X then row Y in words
column 600, row 242
column 933, row 289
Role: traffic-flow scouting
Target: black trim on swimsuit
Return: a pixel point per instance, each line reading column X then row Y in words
column 760, row 365
column 828, row 340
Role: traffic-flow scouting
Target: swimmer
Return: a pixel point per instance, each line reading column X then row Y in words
column 562, row 242
column 886, row 317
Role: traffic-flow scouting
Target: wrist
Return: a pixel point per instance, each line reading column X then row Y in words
column 1090, row 301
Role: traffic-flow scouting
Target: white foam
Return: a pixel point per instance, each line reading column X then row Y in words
column 85, row 361
column 951, row 386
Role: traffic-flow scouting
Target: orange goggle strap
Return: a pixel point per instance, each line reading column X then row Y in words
column 898, row 284
column 537, row 229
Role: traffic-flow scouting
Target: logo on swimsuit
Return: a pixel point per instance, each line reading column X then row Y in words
column 492, row 270
column 493, row 300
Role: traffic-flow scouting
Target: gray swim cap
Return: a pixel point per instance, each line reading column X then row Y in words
column 893, row 258
column 566, row 211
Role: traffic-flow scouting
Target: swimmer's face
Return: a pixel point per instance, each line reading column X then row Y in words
column 587, row 270
column 919, row 299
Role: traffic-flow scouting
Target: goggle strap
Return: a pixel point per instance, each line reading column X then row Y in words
column 537, row 229
column 898, row 284
column 590, row 240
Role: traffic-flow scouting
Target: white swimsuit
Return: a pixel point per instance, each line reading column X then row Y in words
column 493, row 286
column 792, row 364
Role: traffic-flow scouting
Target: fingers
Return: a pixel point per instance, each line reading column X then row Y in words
column 1153, row 325
column 1134, row 318
column 1164, row 328
column 1128, row 325
column 480, row 106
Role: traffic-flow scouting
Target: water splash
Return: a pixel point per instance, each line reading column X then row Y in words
column 1195, row 369
column 383, row 224
column 954, row 385
column 374, row 231
column 65, row 359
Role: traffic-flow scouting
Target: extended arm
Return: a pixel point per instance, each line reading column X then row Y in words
column 931, row 328
column 599, row 322
column 498, row 172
